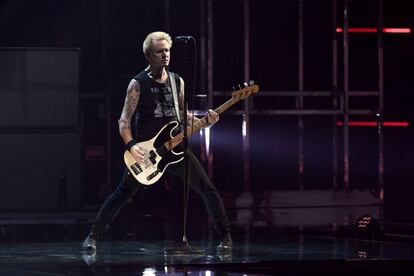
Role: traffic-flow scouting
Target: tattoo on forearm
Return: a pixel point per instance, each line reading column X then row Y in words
column 130, row 105
column 124, row 124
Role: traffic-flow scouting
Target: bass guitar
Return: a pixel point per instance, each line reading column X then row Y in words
column 159, row 151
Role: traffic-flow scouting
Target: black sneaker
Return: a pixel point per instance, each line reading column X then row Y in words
column 225, row 246
column 89, row 244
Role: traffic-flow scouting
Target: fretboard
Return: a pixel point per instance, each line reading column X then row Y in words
column 173, row 142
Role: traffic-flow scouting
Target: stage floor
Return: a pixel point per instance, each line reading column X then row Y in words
column 268, row 240
column 257, row 251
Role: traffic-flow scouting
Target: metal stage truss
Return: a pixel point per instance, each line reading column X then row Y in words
column 340, row 96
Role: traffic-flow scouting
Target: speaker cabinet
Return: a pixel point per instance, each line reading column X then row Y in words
column 40, row 171
column 39, row 129
column 39, row 87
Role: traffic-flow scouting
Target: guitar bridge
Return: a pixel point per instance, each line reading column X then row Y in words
column 136, row 168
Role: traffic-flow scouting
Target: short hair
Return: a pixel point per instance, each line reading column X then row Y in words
column 155, row 36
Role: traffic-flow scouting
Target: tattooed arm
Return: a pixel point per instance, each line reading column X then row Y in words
column 130, row 105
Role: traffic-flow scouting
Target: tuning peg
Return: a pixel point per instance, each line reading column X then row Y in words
column 240, row 87
column 245, row 84
column 251, row 82
column 234, row 88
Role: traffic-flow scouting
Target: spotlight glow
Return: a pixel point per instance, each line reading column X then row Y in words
column 244, row 127
column 207, row 140
column 149, row 272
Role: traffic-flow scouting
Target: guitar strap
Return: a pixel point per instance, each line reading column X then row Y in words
column 175, row 95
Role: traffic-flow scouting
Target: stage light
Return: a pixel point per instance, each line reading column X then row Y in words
column 367, row 227
column 374, row 30
column 149, row 271
column 374, row 124
column 364, row 222
column 207, row 140
column 244, row 127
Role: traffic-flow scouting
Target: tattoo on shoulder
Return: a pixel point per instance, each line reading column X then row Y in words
column 137, row 86
column 133, row 87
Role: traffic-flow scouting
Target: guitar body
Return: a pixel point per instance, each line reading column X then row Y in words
column 157, row 157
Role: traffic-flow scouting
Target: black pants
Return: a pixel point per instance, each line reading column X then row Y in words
column 198, row 180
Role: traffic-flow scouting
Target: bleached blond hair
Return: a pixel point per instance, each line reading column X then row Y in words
column 152, row 37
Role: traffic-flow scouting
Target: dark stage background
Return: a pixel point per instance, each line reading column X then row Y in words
column 58, row 124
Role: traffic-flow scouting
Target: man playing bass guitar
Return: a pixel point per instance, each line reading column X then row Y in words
column 154, row 98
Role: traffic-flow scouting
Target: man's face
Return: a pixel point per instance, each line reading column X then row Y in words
column 159, row 55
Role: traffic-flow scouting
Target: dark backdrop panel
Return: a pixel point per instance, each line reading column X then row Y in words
column 40, row 171
column 399, row 177
column 39, row 87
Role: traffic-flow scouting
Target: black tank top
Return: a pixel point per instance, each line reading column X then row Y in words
column 155, row 107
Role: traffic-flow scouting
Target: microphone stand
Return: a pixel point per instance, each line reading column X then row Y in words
column 186, row 248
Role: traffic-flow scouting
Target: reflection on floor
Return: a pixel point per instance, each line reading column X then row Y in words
column 317, row 236
column 257, row 250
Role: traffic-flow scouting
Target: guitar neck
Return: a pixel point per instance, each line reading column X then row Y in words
column 199, row 124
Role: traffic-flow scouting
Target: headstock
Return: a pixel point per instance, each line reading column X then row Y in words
column 245, row 92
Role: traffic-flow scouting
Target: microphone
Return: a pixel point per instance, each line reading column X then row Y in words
column 183, row 38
